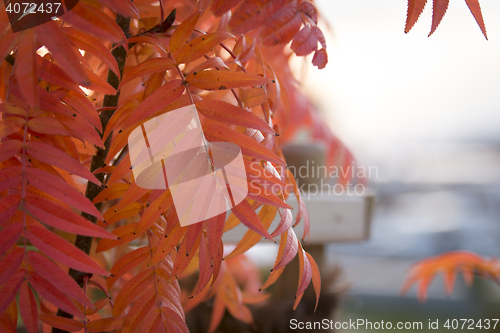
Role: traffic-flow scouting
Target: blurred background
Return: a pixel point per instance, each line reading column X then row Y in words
column 426, row 112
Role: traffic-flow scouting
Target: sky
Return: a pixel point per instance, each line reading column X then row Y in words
column 382, row 85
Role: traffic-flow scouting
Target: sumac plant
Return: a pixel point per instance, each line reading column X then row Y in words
column 82, row 246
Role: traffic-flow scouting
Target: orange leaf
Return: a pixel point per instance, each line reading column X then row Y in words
column 66, row 324
column 119, row 117
column 183, row 31
column 219, row 80
column 248, row 217
column 113, row 191
column 266, row 215
column 159, row 206
column 126, row 233
column 150, row 39
column 61, row 250
column 248, row 146
column 105, row 324
column 64, row 219
column 126, row 263
column 475, row 9
column 93, row 46
column 265, row 195
column 305, row 272
column 231, row 114
column 28, row 308
column 316, row 278
column 284, row 224
column 212, row 62
column 8, row 319
column 162, row 96
column 147, row 67
column 254, row 97
column 415, row 8
column 439, row 8
column 53, row 156
column 290, row 249
column 132, row 289
column 139, row 311
column 52, row 272
column 114, row 215
column 199, row 46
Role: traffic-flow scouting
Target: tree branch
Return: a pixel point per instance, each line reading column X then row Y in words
column 84, row 243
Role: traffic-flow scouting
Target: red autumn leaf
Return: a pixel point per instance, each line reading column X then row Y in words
column 475, row 9
column 196, row 48
column 219, row 7
column 61, row 250
column 62, row 51
column 439, row 8
column 290, row 249
column 84, row 107
column 10, row 125
column 248, row 146
column 9, row 148
column 284, row 224
column 183, row 31
column 310, row 10
column 150, row 39
column 93, row 46
column 64, row 219
column 90, row 20
column 231, row 114
column 9, row 235
column 28, row 308
column 9, row 290
column 53, row 156
column 220, row 80
column 10, row 263
column 52, row 294
column 126, row 233
column 61, row 190
column 320, row 58
column 415, row 8
column 282, row 26
column 119, row 117
column 25, row 68
column 52, row 272
column 49, row 125
column 148, row 67
column 305, row 41
column 252, row 14
column 66, row 324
